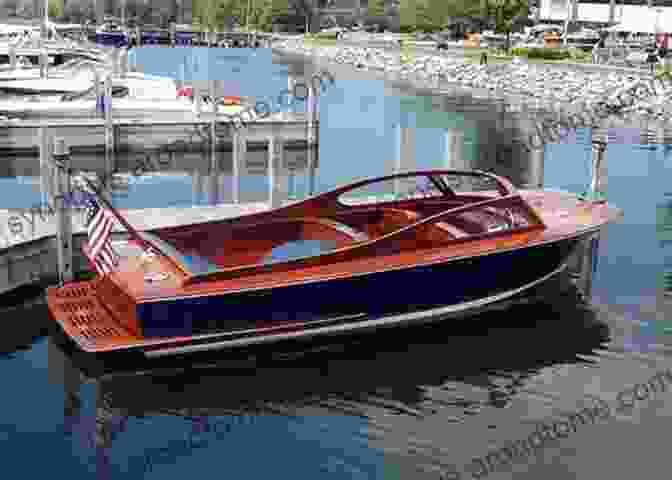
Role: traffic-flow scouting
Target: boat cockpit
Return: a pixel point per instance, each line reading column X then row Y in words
column 418, row 211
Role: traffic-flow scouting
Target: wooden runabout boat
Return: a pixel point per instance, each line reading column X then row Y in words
column 344, row 260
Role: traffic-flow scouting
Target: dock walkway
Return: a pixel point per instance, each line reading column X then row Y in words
column 28, row 240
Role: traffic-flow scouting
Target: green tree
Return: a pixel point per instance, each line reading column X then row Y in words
column 11, row 6
column 270, row 12
column 426, row 15
column 308, row 10
column 408, row 15
column 279, row 8
column 205, row 14
column 505, row 14
column 375, row 8
column 78, row 11
column 229, row 11
column 55, row 8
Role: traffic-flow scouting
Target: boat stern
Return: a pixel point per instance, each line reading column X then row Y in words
column 95, row 315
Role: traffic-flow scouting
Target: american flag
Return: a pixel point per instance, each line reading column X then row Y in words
column 99, row 225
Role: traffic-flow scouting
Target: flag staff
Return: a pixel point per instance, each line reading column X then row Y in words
column 101, row 198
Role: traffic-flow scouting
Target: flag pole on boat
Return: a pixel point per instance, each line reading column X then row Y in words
column 104, row 203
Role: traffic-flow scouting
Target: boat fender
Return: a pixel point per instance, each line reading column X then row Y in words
column 231, row 100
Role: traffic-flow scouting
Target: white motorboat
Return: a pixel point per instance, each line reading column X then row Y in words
column 136, row 95
column 28, row 47
column 74, row 76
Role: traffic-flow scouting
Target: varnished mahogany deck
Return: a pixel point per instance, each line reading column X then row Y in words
column 397, row 236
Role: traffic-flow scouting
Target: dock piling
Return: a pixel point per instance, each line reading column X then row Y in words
column 239, row 154
column 599, row 149
column 13, row 59
column 213, row 121
column 61, row 159
column 587, row 253
column 96, row 83
column 44, row 60
column 124, row 63
column 535, row 178
column 198, row 102
column 109, row 133
column 46, row 171
column 277, row 179
column 312, row 134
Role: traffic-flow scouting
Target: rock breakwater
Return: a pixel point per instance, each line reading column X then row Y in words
column 577, row 97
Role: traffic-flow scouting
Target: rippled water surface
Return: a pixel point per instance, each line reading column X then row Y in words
column 418, row 403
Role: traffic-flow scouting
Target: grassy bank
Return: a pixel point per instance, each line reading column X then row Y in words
column 409, row 53
column 473, row 55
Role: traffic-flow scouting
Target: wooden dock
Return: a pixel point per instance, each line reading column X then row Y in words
column 36, row 246
column 22, row 136
column 28, row 252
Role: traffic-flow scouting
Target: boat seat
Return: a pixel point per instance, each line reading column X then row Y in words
column 393, row 219
column 353, row 233
column 454, row 231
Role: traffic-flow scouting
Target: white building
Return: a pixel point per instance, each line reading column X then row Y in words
column 633, row 15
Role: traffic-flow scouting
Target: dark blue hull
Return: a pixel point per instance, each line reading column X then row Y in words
column 453, row 283
column 112, row 39
column 150, row 38
column 184, row 38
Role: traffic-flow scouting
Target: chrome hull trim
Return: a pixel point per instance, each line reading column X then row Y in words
column 425, row 316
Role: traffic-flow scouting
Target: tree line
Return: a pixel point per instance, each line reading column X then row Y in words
column 504, row 16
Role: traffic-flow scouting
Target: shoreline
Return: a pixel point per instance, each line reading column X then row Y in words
column 574, row 97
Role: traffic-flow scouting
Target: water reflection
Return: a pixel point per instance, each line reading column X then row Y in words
column 451, row 371
column 416, row 395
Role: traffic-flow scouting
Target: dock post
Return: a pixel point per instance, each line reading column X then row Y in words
column 598, row 164
column 213, row 121
column 454, row 149
column 239, row 154
column 13, row 59
column 46, row 175
column 198, row 102
column 405, row 154
column 536, row 168
column 196, row 187
column 213, row 136
column 123, row 63
column 312, row 136
column 116, row 60
column 587, row 260
column 278, row 186
column 181, row 76
column 61, row 159
column 109, row 134
column 399, row 142
column 96, row 83
column 44, row 60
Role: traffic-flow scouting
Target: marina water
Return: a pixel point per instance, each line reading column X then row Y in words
column 418, row 404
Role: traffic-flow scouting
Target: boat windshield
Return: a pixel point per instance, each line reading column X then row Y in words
column 419, row 186
column 195, row 263
column 190, row 262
